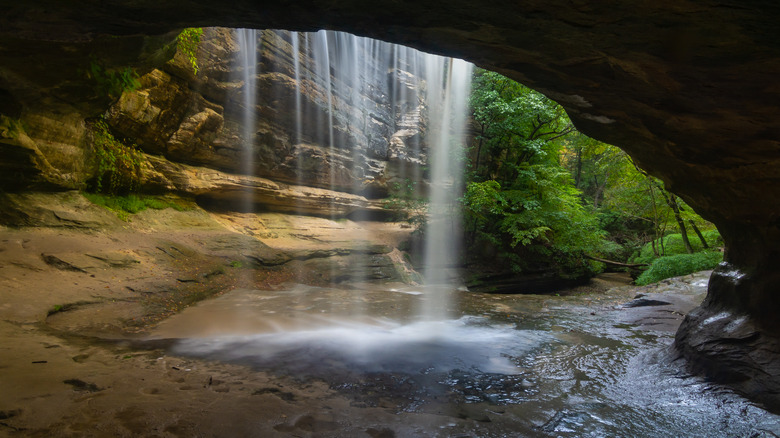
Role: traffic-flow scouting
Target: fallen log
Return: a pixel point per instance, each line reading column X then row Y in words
column 620, row 264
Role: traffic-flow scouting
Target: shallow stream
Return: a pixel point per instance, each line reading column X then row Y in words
column 502, row 365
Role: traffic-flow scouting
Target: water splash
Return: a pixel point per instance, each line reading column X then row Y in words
column 334, row 345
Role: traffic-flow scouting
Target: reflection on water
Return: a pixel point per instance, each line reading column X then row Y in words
column 508, row 366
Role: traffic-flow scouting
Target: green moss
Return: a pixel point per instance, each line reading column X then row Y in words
column 112, row 82
column 10, row 128
column 187, row 43
column 125, row 206
column 679, row 264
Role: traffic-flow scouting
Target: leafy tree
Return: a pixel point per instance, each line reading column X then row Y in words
column 540, row 193
column 518, row 197
column 515, row 125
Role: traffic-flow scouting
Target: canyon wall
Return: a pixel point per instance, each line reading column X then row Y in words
column 314, row 152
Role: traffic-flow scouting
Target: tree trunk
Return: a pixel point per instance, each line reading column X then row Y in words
column 656, row 225
column 698, row 233
column 672, row 201
column 578, row 172
column 479, row 149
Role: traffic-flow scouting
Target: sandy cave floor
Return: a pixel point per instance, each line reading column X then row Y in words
column 75, row 302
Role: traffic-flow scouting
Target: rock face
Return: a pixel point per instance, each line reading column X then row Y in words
column 688, row 89
column 343, row 141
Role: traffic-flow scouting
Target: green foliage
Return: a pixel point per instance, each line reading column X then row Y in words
column 112, row 82
column 406, row 205
column 679, row 264
column 518, row 197
column 672, row 244
column 236, row 264
column 118, row 165
column 187, row 43
column 540, row 212
column 124, row 206
column 515, row 125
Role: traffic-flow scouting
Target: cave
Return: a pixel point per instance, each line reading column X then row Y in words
column 688, row 89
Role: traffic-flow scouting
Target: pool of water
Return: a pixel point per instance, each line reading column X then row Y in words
column 512, row 365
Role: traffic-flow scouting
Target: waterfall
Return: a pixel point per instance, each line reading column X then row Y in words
column 448, row 82
column 297, row 138
column 357, row 103
column 247, row 66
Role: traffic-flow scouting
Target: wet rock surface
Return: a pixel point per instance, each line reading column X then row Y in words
column 566, row 366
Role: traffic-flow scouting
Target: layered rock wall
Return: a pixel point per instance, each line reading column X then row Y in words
column 313, row 152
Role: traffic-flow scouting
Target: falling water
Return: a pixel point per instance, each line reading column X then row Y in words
column 448, row 82
column 350, row 83
column 296, row 55
column 496, row 366
column 247, row 66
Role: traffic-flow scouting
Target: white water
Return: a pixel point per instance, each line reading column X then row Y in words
column 348, row 83
column 247, row 65
column 448, row 83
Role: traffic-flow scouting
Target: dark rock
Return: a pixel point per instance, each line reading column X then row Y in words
column 115, row 259
column 644, row 302
column 9, row 106
column 284, row 395
column 380, row 433
column 60, row 264
column 82, row 386
column 4, row 415
column 731, row 348
column 537, row 283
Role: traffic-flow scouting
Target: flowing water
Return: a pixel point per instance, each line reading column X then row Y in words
column 507, row 365
column 447, row 113
column 360, row 93
column 482, row 365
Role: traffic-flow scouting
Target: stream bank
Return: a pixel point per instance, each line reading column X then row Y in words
column 592, row 362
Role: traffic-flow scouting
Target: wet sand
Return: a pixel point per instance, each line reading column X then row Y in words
column 87, row 317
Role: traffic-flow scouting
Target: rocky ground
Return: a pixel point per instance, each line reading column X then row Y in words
column 81, row 288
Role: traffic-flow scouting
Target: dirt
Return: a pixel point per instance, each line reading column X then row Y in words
column 77, row 293
column 76, row 301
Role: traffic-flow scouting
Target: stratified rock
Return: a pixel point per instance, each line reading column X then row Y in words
column 25, row 167
column 198, row 119
column 236, row 192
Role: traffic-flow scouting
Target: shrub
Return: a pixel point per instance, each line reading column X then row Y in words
column 673, row 244
column 679, row 264
column 112, row 82
column 118, row 165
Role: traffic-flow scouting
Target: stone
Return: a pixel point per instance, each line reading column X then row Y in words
column 688, row 90
column 644, row 302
